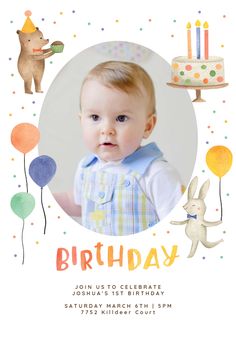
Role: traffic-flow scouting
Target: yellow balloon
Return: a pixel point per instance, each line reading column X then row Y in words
column 219, row 160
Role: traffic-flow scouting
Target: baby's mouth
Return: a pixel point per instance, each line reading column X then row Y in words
column 108, row 144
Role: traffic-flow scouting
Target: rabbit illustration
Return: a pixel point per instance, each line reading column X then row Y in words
column 196, row 226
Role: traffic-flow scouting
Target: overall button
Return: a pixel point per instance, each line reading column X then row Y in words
column 126, row 183
column 101, row 194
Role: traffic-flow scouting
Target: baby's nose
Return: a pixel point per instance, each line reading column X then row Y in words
column 108, row 130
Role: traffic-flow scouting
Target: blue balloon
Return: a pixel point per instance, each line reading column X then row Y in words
column 42, row 169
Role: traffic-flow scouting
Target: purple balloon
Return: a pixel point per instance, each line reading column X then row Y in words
column 42, row 169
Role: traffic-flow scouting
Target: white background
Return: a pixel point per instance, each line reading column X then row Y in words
column 202, row 289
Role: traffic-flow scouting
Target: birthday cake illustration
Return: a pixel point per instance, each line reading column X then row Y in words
column 198, row 72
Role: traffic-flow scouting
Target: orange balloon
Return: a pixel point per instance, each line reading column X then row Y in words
column 219, row 160
column 25, row 137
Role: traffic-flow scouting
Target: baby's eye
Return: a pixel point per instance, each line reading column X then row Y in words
column 121, row 118
column 95, row 118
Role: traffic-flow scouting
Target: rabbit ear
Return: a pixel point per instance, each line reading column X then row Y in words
column 192, row 188
column 204, row 189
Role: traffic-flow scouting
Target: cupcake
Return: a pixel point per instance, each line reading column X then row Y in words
column 57, row 47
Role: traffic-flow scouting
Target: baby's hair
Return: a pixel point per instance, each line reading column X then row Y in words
column 125, row 76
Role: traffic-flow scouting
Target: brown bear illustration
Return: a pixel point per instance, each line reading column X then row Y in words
column 31, row 59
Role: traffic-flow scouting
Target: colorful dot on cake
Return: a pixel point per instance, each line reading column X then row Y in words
column 188, row 67
column 181, row 73
column 212, row 73
column 175, row 65
column 196, row 75
column 219, row 66
column 205, row 81
column 220, row 78
column 176, row 79
column 187, row 81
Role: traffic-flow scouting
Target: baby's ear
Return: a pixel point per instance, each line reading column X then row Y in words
column 150, row 124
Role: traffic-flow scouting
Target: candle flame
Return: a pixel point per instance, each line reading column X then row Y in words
column 198, row 23
column 188, row 26
column 205, row 25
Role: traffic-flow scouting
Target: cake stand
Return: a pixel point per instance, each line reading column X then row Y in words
column 198, row 89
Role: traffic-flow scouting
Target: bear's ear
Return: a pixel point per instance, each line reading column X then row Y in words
column 37, row 28
column 18, row 31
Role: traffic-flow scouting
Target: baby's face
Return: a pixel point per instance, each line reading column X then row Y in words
column 113, row 122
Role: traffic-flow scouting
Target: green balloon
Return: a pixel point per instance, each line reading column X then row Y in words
column 22, row 204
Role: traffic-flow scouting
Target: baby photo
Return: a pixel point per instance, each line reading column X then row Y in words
column 123, row 181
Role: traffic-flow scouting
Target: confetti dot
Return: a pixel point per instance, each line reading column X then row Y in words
column 217, row 209
column 102, row 28
column 203, row 171
column 31, row 223
column 19, row 186
column 117, row 20
column 11, row 21
column 208, row 126
column 58, row 217
column 10, row 114
column 74, row 36
column 203, row 257
column 214, row 111
column 149, row 20
column 22, row 108
column 12, row 159
column 12, row 74
column 221, row 257
column 37, row 242
column 54, row 22
column 33, row 102
column 224, row 101
column 49, row 206
column 61, row 13
column 89, row 23
column 226, row 121
column 226, row 137
column 224, row 232
column 222, row 46
column 73, row 11
column 64, row 233
column 227, row 194
column 14, row 237
column 172, row 36
column 14, row 176
column 9, row 58
column 154, row 234
column 174, row 20
column 199, row 12
column 140, row 29
column 42, row 19
column 212, row 132
column 51, row 62
column 168, row 232
column 207, row 142
column 34, row 114
column 205, row 81
column 15, row 255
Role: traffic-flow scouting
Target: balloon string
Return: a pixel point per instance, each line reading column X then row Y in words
column 22, row 241
column 26, row 181
column 221, row 206
column 45, row 219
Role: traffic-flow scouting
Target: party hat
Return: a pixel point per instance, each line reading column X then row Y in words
column 28, row 26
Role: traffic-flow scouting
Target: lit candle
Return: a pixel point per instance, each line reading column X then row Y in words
column 198, row 39
column 189, row 40
column 206, row 41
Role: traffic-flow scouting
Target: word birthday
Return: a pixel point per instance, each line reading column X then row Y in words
column 132, row 258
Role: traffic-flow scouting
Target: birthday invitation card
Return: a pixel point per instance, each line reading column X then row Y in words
column 85, row 255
